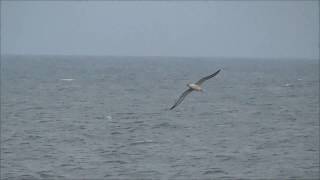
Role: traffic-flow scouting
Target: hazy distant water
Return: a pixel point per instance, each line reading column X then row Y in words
column 256, row 119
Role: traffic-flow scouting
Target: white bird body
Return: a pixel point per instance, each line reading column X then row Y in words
column 193, row 87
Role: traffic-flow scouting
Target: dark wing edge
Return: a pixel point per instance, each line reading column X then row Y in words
column 182, row 96
column 207, row 77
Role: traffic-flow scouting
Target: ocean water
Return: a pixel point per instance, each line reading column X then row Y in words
column 108, row 118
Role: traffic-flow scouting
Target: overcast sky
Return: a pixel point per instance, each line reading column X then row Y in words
column 262, row 29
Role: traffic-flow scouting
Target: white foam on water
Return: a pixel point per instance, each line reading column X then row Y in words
column 66, row 79
column 288, row 85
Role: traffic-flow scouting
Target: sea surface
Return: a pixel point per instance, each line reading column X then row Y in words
column 68, row 117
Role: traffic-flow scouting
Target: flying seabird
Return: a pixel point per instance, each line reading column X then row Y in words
column 193, row 87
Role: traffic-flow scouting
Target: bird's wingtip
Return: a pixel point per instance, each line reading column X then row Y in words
column 218, row 71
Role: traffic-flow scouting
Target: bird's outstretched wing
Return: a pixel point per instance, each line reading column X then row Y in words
column 207, row 77
column 182, row 96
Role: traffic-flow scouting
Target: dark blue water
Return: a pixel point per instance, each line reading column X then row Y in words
column 107, row 117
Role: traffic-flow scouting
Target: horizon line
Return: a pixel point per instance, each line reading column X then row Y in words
column 163, row 56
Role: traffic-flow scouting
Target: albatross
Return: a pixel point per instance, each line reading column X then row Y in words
column 193, row 87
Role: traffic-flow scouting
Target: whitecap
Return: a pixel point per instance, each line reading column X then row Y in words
column 66, row 79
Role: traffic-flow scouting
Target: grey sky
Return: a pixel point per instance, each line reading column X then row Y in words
column 264, row 29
